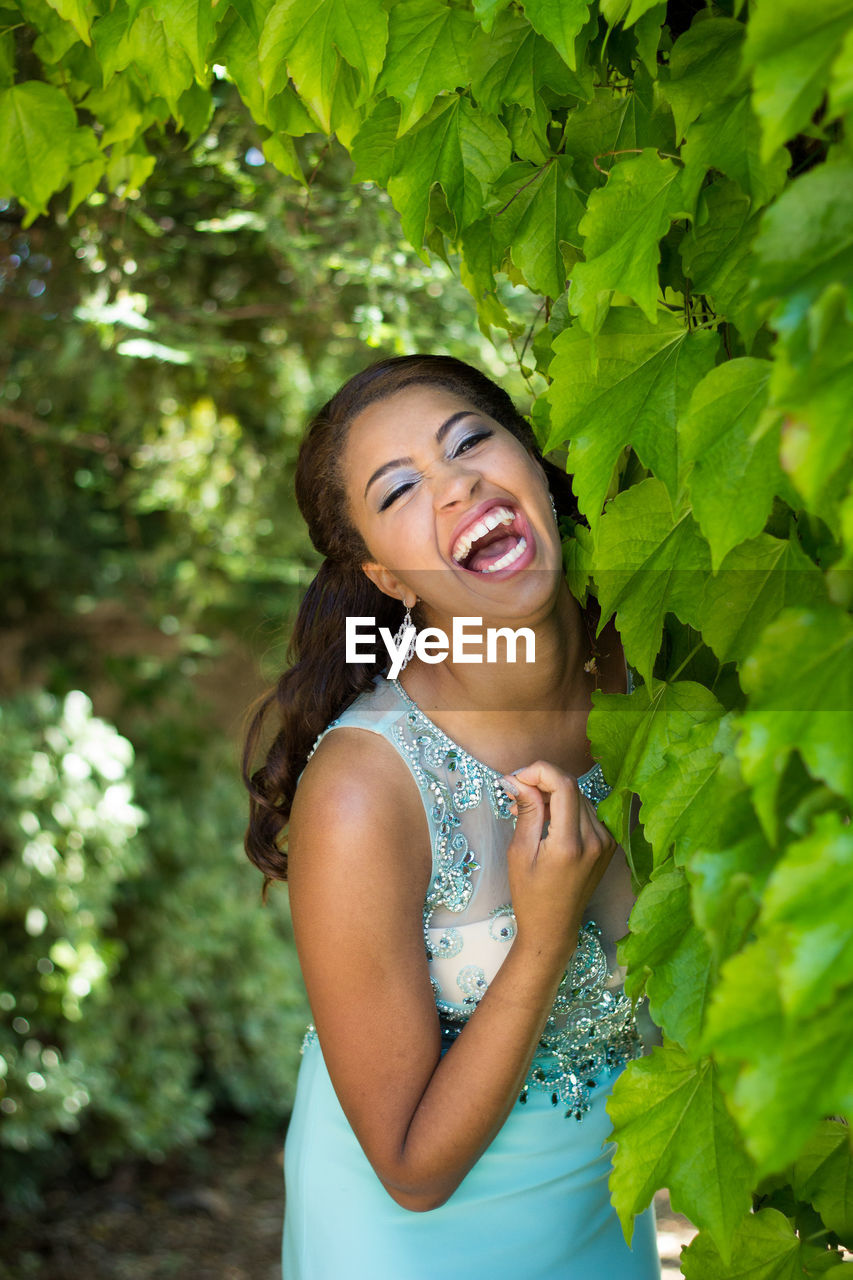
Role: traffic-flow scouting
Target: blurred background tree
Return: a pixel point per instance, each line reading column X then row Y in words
column 162, row 352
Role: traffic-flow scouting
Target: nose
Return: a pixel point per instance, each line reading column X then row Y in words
column 453, row 481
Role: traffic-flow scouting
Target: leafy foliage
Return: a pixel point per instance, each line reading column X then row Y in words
column 672, row 184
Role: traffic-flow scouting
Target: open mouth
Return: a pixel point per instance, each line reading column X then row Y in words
column 494, row 542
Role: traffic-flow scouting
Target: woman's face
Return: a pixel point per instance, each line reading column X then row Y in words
column 452, row 507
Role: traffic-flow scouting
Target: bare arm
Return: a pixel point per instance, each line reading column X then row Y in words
column 360, row 865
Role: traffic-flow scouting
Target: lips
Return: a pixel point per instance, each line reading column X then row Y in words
column 494, row 523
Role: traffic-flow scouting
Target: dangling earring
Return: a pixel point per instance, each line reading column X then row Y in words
column 400, row 633
column 554, row 509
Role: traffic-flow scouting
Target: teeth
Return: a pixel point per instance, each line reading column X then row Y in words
column 491, row 520
column 510, row 557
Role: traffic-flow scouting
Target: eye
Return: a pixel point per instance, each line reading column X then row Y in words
column 471, row 440
column 394, row 494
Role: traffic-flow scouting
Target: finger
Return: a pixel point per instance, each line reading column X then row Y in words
column 594, row 830
column 566, row 802
column 529, row 805
column 542, row 774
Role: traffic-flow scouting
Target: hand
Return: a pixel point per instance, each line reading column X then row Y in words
column 552, row 877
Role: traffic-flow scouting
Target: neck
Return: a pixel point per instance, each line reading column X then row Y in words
column 556, row 681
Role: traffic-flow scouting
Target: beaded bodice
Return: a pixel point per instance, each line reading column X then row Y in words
column 468, row 920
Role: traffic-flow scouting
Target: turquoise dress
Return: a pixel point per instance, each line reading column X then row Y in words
column 536, row 1204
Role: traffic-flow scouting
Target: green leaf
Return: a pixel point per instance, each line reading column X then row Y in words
column 731, row 475
column 635, row 745
column 841, row 80
column 302, row 38
column 537, row 209
column 654, row 563
column 189, row 24
column 755, row 582
column 78, row 13
column 512, row 63
column 622, row 227
column 487, row 10
column 281, row 152
column 560, row 22
column 727, row 875
column 811, row 388
column 456, row 147
column 39, row 135
column 823, row 1175
column 799, row 680
column 808, row 902
column 764, row 1247
column 164, row 64
column 727, row 137
column 806, row 241
column 613, row 121
column 668, row 957
column 789, row 50
column 628, row 387
column 787, row 1073
column 717, row 254
column 678, row 802
column 704, row 68
column 427, row 54
column 672, row 1130
column 374, row 145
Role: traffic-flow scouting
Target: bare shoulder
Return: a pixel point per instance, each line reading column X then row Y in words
column 358, row 799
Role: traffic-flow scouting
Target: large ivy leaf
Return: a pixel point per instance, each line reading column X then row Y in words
column 373, row 146
column 512, row 63
column 799, row 680
column 622, row 228
column 668, row 957
column 628, row 387
column 756, row 581
column 823, row 1175
column 785, row 1073
column 727, row 137
column 716, row 254
column 635, row 744
column 190, row 25
column 560, row 22
column 427, row 54
column 457, row 147
column 704, row 68
column 765, row 1247
column 163, row 63
column 536, row 210
column 731, row 475
column 728, row 873
column 789, row 49
column 679, row 801
column 302, row 38
column 811, row 392
column 78, row 13
column 655, row 562
column 806, row 241
column 614, row 121
column 39, row 142
column 672, row 1130
column 808, row 904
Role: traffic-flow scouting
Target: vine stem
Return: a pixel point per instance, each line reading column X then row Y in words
column 627, row 151
column 692, row 654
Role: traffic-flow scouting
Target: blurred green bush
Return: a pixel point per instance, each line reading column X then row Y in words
column 140, row 983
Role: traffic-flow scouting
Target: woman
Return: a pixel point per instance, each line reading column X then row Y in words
column 455, row 898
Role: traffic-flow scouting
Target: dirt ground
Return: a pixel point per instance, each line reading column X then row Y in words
column 213, row 1213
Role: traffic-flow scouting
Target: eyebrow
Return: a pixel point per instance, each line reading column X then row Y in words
column 439, row 436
